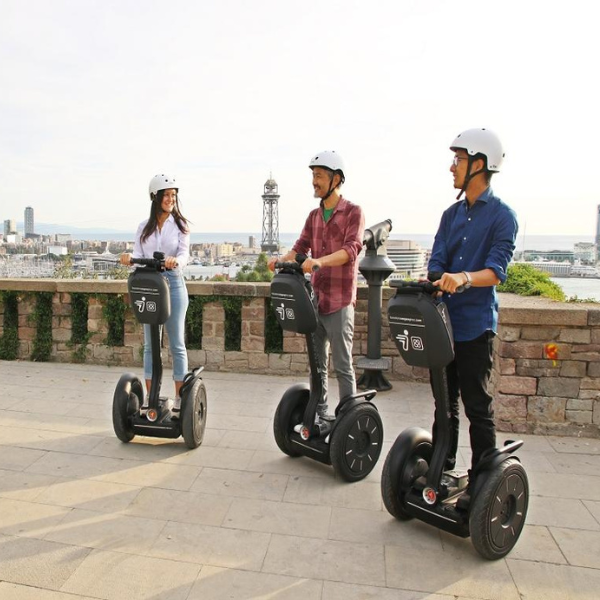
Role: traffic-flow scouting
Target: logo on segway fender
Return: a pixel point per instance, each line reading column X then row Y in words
column 416, row 342
column 142, row 305
column 285, row 313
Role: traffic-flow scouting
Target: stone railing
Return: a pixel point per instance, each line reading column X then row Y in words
column 546, row 376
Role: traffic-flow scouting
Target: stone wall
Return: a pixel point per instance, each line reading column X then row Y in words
column 546, row 375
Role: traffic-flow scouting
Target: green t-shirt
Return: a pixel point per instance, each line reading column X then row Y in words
column 327, row 212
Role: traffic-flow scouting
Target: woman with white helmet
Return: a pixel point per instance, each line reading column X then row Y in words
column 472, row 248
column 166, row 230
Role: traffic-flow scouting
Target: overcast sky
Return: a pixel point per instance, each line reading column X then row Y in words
column 98, row 96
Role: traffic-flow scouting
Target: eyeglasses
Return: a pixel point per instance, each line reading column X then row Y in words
column 457, row 159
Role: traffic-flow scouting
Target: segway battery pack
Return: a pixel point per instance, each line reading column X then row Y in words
column 149, row 296
column 292, row 297
column 421, row 329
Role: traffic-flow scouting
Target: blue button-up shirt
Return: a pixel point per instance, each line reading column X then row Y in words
column 471, row 239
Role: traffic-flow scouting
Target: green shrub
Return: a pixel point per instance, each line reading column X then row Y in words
column 9, row 341
column 525, row 280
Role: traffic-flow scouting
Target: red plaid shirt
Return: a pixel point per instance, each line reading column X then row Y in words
column 335, row 287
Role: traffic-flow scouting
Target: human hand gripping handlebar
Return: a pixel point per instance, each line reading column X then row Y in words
column 424, row 286
column 295, row 265
column 157, row 261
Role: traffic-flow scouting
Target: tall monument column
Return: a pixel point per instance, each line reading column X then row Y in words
column 270, row 228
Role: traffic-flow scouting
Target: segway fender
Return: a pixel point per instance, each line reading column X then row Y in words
column 401, row 450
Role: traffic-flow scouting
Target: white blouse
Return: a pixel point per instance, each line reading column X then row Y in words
column 169, row 240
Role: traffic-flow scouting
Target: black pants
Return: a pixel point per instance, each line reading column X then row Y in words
column 468, row 377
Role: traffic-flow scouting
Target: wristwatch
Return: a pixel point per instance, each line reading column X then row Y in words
column 469, row 282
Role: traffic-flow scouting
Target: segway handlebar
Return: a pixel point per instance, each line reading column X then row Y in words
column 157, row 261
column 423, row 286
column 294, row 265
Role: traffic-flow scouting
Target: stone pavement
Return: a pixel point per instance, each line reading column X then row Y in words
column 85, row 516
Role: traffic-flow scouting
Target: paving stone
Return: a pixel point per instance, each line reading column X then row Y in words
column 326, row 559
column 23, row 486
column 47, row 440
column 100, row 496
column 29, row 519
column 15, row 591
column 560, row 512
column 217, row 546
column 118, row 576
column 241, row 484
column 536, row 543
column 107, row 531
column 457, row 570
column 17, row 459
column 364, row 494
column 183, row 507
column 38, row 563
column 278, row 517
column 344, row 591
column 544, row 581
column 227, row 584
column 581, row 548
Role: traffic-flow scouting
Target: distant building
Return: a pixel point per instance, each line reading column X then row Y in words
column 62, row 238
column 554, row 268
column 585, row 252
column 409, row 258
column 10, row 228
column 251, row 241
column 29, row 226
column 549, row 255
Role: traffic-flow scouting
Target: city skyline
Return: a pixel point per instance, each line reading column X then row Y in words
column 100, row 99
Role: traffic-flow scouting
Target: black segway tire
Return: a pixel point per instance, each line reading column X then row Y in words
column 356, row 442
column 128, row 396
column 407, row 460
column 193, row 414
column 289, row 413
column 498, row 512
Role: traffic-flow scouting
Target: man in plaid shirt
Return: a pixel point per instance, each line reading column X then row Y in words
column 333, row 234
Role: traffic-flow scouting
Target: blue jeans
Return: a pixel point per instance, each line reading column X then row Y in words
column 175, row 328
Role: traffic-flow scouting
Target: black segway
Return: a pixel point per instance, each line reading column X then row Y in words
column 414, row 482
column 352, row 441
column 151, row 303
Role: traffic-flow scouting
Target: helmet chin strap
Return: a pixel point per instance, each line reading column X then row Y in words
column 331, row 188
column 468, row 177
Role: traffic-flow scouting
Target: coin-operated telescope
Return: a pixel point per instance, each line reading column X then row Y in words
column 375, row 267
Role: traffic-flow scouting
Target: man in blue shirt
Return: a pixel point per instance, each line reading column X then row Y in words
column 472, row 248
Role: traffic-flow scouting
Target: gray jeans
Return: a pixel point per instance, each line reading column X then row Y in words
column 337, row 330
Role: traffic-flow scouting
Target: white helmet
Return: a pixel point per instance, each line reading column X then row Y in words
column 481, row 141
column 328, row 159
column 162, row 182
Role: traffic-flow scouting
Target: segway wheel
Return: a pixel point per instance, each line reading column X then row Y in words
column 356, row 442
column 498, row 512
column 193, row 415
column 289, row 413
column 129, row 394
column 407, row 460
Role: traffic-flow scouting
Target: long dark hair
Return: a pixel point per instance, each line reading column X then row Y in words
column 156, row 210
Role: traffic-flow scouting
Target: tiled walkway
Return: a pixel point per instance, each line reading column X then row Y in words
column 84, row 516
